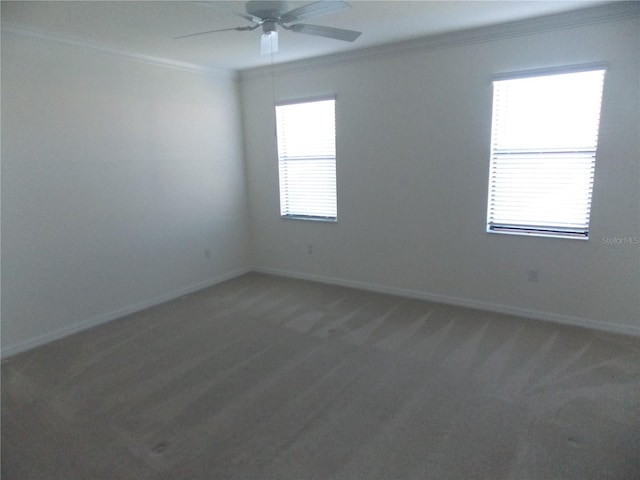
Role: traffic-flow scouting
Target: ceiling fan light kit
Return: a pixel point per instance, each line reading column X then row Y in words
column 269, row 42
column 273, row 14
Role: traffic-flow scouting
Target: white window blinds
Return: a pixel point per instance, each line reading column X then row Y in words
column 306, row 136
column 543, row 150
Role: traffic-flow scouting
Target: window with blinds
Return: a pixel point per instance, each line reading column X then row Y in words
column 543, row 151
column 306, row 136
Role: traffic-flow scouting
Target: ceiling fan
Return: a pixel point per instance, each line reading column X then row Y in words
column 273, row 14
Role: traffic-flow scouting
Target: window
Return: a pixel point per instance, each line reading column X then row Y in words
column 306, row 135
column 543, row 151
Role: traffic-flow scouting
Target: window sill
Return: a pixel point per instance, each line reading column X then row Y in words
column 538, row 233
column 309, row 218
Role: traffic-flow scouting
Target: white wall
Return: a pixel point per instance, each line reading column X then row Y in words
column 413, row 156
column 117, row 176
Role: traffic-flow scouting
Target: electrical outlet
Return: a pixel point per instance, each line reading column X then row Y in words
column 310, row 249
column 533, row 275
column 207, row 253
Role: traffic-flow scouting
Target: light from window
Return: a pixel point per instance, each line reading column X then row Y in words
column 543, row 151
column 306, row 136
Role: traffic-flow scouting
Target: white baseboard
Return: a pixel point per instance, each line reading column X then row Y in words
column 11, row 350
column 462, row 302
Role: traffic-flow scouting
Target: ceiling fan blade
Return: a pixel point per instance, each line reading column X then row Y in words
column 239, row 29
column 314, row 9
column 251, row 18
column 322, row 31
column 269, row 43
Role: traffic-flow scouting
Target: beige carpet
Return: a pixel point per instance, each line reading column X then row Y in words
column 270, row 378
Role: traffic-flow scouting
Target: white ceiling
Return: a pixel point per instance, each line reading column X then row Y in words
column 148, row 27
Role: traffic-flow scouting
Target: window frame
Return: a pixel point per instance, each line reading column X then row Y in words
column 301, row 216
column 542, row 230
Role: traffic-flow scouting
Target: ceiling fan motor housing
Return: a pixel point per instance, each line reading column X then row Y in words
column 267, row 10
column 269, row 26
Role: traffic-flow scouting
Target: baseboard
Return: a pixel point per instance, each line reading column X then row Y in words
column 11, row 350
column 458, row 301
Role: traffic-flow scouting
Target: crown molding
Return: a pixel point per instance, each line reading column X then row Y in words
column 577, row 18
column 594, row 15
column 78, row 43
